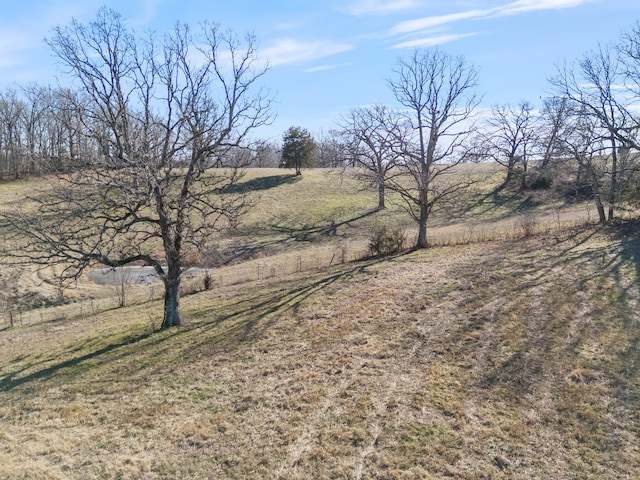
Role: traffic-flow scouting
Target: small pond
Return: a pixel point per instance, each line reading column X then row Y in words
column 123, row 275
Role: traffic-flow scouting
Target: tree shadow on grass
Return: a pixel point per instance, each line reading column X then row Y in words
column 616, row 260
column 221, row 331
column 307, row 233
column 613, row 258
column 602, row 279
column 286, row 235
column 501, row 198
column 250, row 316
column 628, row 234
column 9, row 381
column 262, row 183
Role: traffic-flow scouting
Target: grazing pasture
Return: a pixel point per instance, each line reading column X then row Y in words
column 506, row 350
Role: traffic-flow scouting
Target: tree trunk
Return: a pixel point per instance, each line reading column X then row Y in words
column 381, row 205
column 602, row 218
column 426, row 160
column 507, row 179
column 422, row 227
column 172, row 316
column 614, row 179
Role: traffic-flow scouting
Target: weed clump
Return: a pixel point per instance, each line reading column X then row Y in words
column 528, row 224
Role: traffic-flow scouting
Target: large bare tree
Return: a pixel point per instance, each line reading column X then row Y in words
column 373, row 139
column 593, row 85
column 629, row 52
column 586, row 143
column 164, row 110
column 437, row 91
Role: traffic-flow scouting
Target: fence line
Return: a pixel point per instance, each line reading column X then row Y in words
column 289, row 263
column 250, row 271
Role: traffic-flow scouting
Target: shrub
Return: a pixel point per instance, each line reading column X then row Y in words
column 540, row 182
column 384, row 241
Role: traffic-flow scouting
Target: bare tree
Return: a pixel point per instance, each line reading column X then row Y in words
column 164, row 111
column 553, row 125
column 509, row 137
column 629, row 52
column 39, row 130
column 330, row 149
column 437, row 93
column 11, row 132
column 586, row 143
column 74, row 136
column 372, row 139
column 593, row 85
column 35, row 109
column 266, row 155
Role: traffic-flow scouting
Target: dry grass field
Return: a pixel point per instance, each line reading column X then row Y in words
column 494, row 354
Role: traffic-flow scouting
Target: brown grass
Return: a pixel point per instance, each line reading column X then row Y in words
column 448, row 363
column 508, row 350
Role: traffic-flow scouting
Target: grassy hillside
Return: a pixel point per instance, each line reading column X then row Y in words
column 510, row 358
column 297, row 224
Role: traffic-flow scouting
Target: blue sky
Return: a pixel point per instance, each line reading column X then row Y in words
column 330, row 56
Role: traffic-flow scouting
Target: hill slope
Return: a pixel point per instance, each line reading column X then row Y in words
column 297, row 223
column 506, row 359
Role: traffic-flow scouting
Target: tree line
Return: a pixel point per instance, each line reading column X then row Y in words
column 41, row 131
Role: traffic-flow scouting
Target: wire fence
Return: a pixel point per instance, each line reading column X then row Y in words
column 194, row 280
column 288, row 263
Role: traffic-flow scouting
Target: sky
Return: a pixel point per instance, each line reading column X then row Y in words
column 329, row 57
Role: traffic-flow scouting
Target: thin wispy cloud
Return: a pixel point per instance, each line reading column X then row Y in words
column 425, row 23
column 380, row 7
column 523, row 6
column 620, row 87
column 286, row 51
column 432, row 41
column 323, row 68
column 148, row 9
column 513, row 8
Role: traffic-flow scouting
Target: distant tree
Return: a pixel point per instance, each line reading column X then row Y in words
column 298, row 150
column 330, row 150
column 372, row 137
column 437, row 93
column 553, row 125
column 11, row 133
column 70, row 143
column 37, row 106
column 164, row 110
column 510, row 136
column 265, row 155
